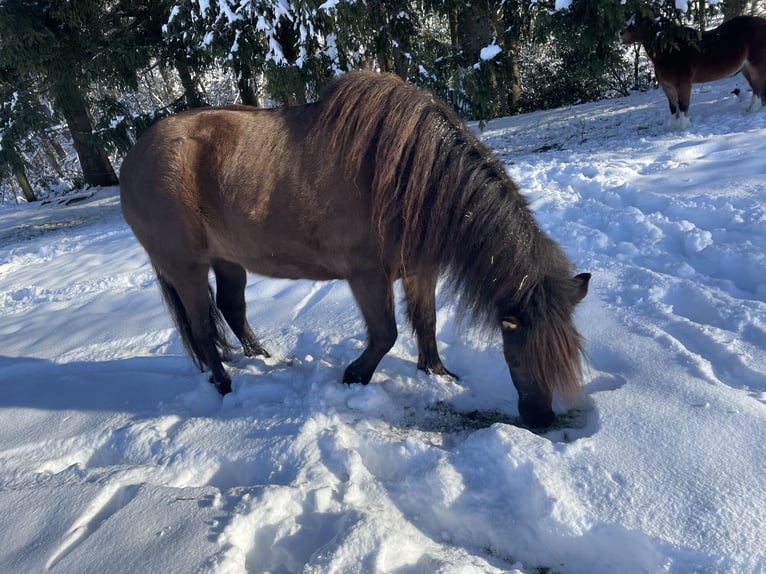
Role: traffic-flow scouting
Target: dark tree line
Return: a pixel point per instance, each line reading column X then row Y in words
column 91, row 75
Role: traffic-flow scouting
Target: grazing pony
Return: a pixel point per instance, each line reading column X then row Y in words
column 377, row 181
column 736, row 45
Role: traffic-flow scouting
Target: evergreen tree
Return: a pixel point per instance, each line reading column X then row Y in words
column 284, row 42
column 486, row 57
column 732, row 8
column 185, row 43
column 576, row 57
column 478, row 69
column 21, row 114
column 386, row 35
column 71, row 45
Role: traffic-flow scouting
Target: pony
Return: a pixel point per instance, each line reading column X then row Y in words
column 377, row 181
column 687, row 58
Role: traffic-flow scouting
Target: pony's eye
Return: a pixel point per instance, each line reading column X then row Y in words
column 510, row 324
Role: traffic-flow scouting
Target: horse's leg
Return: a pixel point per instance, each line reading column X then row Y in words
column 188, row 294
column 374, row 295
column 420, row 291
column 672, row 95
column 230, row 281
column 757, row 84
column 678, row 99
column 684, row 99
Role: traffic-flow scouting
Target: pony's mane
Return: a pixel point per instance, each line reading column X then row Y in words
column 661, row 35
column 435, row 186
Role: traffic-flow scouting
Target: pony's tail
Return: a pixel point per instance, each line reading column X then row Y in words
column 181, row 319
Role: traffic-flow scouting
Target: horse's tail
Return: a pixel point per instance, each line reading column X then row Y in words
column 181, row 319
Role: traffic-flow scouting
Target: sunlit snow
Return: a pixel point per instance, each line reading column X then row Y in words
column 116, row 455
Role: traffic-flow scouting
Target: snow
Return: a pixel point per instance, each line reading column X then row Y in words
column 116, row 455
column 489, row 52
column 683, row 5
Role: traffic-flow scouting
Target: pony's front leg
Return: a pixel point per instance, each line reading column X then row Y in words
column 420, row 290
column 679, row 121
column 374, row 296
column 678, row 101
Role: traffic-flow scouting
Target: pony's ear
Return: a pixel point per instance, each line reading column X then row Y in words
column 510, row 324
column 581, row 286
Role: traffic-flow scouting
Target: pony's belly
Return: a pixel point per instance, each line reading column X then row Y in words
column 291, row 259
column 287, row 250
column 283, row 268
column 716, row 72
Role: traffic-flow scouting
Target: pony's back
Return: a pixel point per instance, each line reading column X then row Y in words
column 242, row 184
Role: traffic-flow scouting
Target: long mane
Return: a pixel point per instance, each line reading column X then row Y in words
column 662, row 36
column 438, row 192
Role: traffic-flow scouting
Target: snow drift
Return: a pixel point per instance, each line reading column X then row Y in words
column 116, row 455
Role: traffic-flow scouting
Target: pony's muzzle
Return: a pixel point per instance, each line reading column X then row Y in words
column 534, row 417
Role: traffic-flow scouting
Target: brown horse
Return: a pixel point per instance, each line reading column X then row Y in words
column 376, row 181
column 736, row 45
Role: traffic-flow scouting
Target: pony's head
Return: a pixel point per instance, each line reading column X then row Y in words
column 542, row 346
column 637, row 28
column 658, row 32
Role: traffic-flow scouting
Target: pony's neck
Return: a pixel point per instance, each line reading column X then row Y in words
column 662, row 39
column 648, row 31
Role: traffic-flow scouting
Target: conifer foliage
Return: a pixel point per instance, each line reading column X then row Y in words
column 91, row 75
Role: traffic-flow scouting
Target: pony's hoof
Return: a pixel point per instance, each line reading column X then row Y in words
column 538, row 421
column 223, row 387
column 255, row 351
column 352, row 376
column 680, row 122
column 440, row 371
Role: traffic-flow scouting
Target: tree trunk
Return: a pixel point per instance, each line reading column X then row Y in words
column 453, row 27
column 512, row 45
column 701, row 5
column 511, row 99
column 475, row 27
column 192, row 95
column 95, row 164
column 26, row 187
column 382, row 37
column 53, row 154
column 245, row 85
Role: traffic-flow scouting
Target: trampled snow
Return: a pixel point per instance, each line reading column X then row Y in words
column 116, row 455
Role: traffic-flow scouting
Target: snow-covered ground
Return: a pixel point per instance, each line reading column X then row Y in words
column 116, row 455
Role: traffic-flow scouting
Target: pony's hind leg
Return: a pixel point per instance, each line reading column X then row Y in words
column 374, row 296
column 757, row 81
column 198, row 320
column 756, row 102
column 420, row 291
column 230, row 281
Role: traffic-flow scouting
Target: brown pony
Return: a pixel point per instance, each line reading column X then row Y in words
column 376, row 181
column 736, row 45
